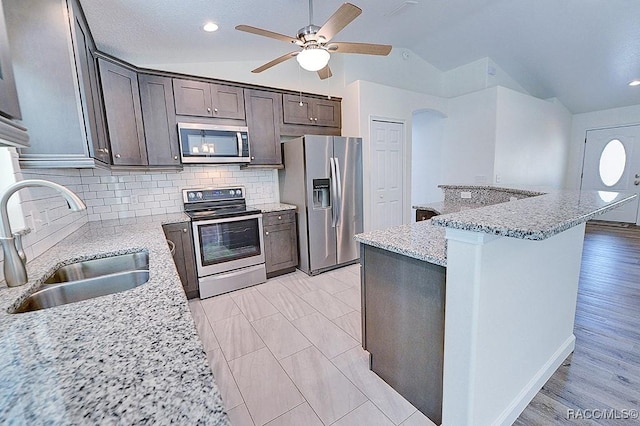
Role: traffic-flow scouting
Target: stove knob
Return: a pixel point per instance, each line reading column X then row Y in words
column 199, row 195
column 191, row 195
column 238, row 192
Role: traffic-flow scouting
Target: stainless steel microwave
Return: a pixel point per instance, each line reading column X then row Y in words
column 213, row 144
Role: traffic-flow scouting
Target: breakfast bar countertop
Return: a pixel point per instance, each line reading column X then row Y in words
column 126, row 358
column 536, row 217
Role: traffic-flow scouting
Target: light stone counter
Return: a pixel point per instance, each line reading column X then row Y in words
column 128, row 358
column 534, row 217
column 273, row 207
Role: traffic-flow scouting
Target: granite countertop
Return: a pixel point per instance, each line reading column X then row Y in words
column 534, row 218
column 442, row 207
column 273, row 207
column 420, row 240
column 127, row 358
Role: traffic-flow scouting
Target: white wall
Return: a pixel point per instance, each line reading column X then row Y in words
column 589, row 121
column 469, row 138
column 477, row 75
column 426, row 157
column 379, row 101
column 532, row 140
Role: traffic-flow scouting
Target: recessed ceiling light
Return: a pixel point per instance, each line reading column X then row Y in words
column 634, row 83
column 210, row 27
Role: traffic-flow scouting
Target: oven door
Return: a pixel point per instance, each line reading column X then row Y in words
column 228, row 243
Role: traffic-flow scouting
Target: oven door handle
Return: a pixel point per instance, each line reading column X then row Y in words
column 239, row 138
column 198, row 222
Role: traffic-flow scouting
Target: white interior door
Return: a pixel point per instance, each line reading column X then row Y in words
column 612, row 163
column 387, row 154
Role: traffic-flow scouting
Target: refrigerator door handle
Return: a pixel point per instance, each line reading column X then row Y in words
column 339, row 190
column 334, row 192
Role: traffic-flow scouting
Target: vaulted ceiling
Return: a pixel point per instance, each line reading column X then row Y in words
column 583, row 52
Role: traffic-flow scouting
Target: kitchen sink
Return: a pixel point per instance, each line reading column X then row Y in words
column 100, row 267
column 89, row 279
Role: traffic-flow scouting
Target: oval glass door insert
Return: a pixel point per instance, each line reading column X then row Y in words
column 612, row 162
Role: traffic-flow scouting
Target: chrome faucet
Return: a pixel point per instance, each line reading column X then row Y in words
column 15, row 273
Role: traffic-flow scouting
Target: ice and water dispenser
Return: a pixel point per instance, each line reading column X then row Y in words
column 321, row 194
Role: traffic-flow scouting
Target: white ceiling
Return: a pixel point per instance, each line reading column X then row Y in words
column 584, row 52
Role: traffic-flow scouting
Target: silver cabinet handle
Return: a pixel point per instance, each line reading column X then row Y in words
column 315, row 119
column 253, row 158
column 279, row 217
column 311, row 118
column 117, row 155
column 175, row 157
column 184, row 230
column 209, row 110
column 215, row 110
column 266, row 233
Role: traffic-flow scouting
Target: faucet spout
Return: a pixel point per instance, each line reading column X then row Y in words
column 15, row 273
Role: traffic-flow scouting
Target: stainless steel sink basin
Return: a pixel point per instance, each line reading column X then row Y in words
column 99, row 267
column 89, row 279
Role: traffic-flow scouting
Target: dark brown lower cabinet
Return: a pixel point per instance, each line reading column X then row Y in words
column 280, row 242
column 184, row 258
column 424, row 215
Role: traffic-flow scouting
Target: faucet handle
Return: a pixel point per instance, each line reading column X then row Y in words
column 17, row 236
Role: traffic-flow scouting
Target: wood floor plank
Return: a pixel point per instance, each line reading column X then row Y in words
column 604, row 370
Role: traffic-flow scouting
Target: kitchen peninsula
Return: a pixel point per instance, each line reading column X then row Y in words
column 469, row 313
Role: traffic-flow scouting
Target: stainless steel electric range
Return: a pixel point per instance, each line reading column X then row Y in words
column 227, row 238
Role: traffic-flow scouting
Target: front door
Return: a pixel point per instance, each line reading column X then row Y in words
column 612, row 163
column 387, row 156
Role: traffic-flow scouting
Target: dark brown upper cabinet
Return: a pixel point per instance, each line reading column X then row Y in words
column 122, row 107
column 159, row 119
column 204, row 99
column 264, row 115
column 9, row 106
column 305, row 110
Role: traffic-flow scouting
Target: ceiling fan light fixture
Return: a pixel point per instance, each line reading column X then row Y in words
column 210, row 27
column 313, row 59
column 634, row 83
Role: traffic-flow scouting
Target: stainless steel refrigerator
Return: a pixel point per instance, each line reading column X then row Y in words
column 322, row 177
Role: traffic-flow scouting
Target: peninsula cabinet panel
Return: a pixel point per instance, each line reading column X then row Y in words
column 311, row 111
column 184, row 258
column 264, row 114
column 159, row 119
column 124, row 114
column 202, row 99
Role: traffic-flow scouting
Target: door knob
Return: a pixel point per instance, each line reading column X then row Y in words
column 636, row 182
column 637, row 175
column 381, row 196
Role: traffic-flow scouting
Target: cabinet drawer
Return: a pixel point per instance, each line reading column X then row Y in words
column 275, row 218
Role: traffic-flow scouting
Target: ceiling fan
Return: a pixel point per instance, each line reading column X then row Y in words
column 316, row 42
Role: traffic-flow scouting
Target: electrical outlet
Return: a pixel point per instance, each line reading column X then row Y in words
column 498, row 178
column 465, row 194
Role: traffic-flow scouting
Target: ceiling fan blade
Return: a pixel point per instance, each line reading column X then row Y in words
column 270, row 34
column 340, row 19
column 324, row 73
column 363, row 48
column 275, row 62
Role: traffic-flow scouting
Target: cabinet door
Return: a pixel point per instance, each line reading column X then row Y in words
column 90, row 95
column 281, row 247
column 124, row 114
column 159, row 119
column 183, row 257
column 9, row 106
column 228, row 101
column 264, row 114
column 326, row 112
column 294, row 113
column 192, row 97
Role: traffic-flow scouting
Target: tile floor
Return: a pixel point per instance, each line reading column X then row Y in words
column 288, row 352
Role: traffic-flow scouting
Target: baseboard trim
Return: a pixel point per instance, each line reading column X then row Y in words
column 520, row 402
